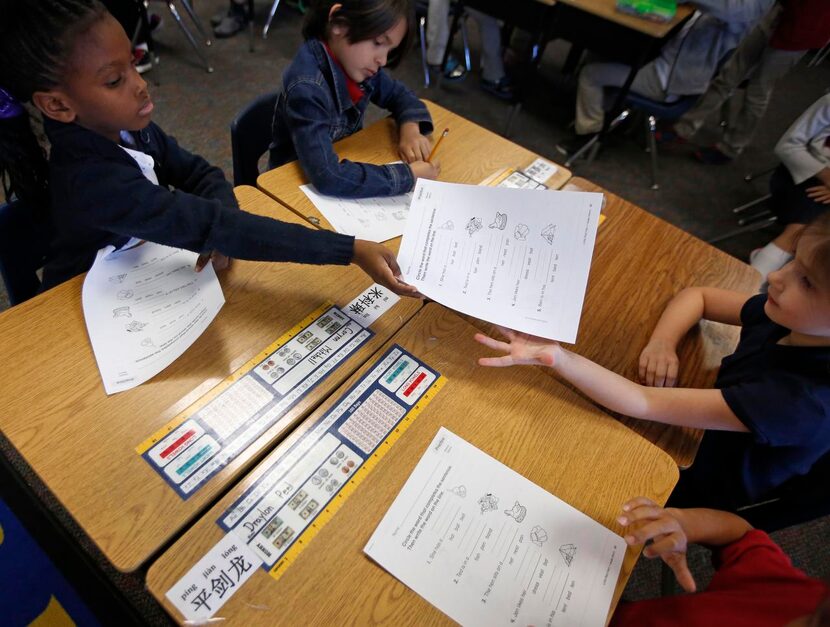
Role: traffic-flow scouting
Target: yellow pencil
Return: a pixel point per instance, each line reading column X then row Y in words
column 438, row 143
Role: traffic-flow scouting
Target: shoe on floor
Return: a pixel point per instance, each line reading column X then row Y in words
column 502, row 88
column 667, row 135
column 572, row 143
column 141, row 58
column 234, row 21
column 454, row 70
column 712, row 156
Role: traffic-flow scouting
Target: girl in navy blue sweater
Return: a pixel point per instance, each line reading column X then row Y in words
column 73, row 61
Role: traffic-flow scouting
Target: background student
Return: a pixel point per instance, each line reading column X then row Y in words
column 769, row 419
column 768, row 52
column 800, row 186
column 685, row 65
column 110, row 168
column 755, row 583
column 326, row 89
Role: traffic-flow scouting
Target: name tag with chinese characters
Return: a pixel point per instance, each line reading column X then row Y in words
column 371, row 304
column 214, row 579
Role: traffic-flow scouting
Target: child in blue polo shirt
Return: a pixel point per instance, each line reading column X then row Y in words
column 337, row 72
column 768, row 421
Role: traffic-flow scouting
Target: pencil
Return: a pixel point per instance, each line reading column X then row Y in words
column 438, row 143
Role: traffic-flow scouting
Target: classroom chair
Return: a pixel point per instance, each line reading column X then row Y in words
column 250, row 137
column 799, row 500
column 753, row 222
column 459, row 21
column 652, row 111
column 23, row 246
column 174, row 12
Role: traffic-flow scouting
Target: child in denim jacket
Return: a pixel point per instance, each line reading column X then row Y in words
column 327, row 88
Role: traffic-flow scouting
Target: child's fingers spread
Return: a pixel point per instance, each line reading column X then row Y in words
column 651, row 529
column 637, row 502
column 669, row 543
column 489, row 342
column 497, row 362
column 640, row 513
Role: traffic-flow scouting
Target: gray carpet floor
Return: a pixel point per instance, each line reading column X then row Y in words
column 197, row 108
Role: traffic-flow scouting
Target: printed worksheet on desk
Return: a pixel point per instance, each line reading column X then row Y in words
column 516, row 257
column 144, row 305
column 488, row 547
column 375, row 219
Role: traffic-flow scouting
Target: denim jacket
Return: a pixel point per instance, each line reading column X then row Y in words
column 314, row 110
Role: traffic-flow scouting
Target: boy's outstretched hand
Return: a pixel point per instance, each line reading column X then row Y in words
column 663, row 527
column 380, row 264
column 521, row 349
column 659, row 364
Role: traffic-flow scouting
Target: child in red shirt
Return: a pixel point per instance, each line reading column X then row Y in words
column 755, row 583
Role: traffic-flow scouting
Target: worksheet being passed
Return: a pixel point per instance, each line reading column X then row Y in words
column 516, row 257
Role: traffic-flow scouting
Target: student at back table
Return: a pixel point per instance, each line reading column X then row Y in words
column 337, row 72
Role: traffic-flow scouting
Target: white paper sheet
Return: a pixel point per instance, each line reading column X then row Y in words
column 488, row 547
column 144, row 305
column 519, row 258
column 373, row 219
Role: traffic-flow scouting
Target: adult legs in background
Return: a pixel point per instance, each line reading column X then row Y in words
column 590, row 95
column 774, row 64
column 438, row 30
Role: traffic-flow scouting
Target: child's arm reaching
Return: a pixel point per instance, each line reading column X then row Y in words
column 658, row 360
column 671, row 530
column 702, row 409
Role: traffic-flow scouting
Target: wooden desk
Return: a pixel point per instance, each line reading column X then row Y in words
column 469, row 154
column 81, row 442
column 607, row 10
column 640, row 262
column 556, row 440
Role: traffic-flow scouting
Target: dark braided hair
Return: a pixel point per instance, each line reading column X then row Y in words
column 364, row 19
column 36, row 42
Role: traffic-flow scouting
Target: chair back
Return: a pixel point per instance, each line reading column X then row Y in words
column 250, row 138
column 797, row 501
column 23, row 246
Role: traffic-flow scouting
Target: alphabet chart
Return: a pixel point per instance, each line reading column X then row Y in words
column 488, row 547
column 516, row 257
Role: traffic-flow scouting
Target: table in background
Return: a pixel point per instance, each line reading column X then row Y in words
column 557, row 440
column 81, row 442
column 469, row 154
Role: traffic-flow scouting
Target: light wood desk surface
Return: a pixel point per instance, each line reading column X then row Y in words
column 607, row 10
column 640, row 262
column 469, row 154
column 557, row 440
column 82, row 442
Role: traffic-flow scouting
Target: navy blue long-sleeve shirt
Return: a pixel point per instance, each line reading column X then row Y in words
column 100, row 197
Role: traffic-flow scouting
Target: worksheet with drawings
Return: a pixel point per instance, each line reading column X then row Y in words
column 515, row 257
column 488, row 547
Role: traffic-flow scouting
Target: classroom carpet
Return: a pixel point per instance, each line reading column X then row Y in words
column 197, row 108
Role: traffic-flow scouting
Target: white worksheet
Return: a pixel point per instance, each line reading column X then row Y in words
column 516, row 257
column 374, row 219
column 488, row 547
column 144, row 305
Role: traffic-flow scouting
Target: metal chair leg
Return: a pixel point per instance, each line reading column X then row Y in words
column 754, row 218
column 195, row 19
column 175, row 13
column 251, row 29
column 466, row 43
column 424, row 65
column 652, row 142
column 752, row 203
column 271, row 14
column 595, row 139
column 754, row 175
column 757, row 226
